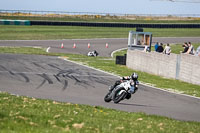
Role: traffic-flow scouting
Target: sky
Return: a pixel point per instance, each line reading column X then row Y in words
column 105, row 6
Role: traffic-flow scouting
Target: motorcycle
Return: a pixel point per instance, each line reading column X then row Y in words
column 93, row 53
column 122, row 91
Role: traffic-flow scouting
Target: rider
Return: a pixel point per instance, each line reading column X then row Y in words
column 95, row 53
column 133, row 77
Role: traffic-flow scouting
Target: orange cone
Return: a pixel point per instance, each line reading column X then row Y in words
column 74, row 45
column 88, row 45
column 62, row 46
column 106, row 45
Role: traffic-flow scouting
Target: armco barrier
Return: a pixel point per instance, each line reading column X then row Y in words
column 124, row 25
column 96, row 24
column 14, row 22
column 183, row 67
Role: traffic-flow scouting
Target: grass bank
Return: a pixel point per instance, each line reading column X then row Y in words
column 11, row 32
column 22, row 114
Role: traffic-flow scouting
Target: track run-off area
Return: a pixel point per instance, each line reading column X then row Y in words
column 58, row 79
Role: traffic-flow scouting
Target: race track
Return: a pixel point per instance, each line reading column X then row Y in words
column 56, row 79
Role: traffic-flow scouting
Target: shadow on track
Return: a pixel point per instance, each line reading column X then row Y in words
column 138, row 105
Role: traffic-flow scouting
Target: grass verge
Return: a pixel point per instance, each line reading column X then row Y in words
column 22, row 114
column 11, row 32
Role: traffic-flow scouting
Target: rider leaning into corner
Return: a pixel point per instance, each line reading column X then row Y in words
column 133, row 77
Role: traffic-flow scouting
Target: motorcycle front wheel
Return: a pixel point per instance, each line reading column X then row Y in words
column 118, row 95
column 108, row 97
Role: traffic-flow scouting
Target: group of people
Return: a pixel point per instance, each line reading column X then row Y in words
column 159, row 48
column 189, row 49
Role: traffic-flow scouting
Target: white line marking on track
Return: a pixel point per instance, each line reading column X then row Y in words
column 48, row 49
column 117, row 51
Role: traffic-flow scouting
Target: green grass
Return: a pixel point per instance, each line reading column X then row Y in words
column 108, row 64
column 23, row 50
column 11, row 32
column 20, row 114
column 172, row 32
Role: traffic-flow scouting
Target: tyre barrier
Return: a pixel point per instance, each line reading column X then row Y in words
column 14, row 22
column 124, row 25
column 121, row 60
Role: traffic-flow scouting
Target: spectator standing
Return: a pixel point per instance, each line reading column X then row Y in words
column 190, row 49
column 156, row 46
column 160, row 48
column 198, row 51
column 167, row 49
column 185, row 46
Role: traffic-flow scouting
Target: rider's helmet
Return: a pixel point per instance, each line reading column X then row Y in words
column 134, row 76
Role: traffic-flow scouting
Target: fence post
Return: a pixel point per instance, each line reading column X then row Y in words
column 178, row 62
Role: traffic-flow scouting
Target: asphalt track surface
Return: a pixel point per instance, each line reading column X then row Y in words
column 56, row 79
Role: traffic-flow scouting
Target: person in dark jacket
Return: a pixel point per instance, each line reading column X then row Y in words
column 160, row 48
column 186, row 47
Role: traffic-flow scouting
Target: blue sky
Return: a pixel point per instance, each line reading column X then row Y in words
column 104, row 6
